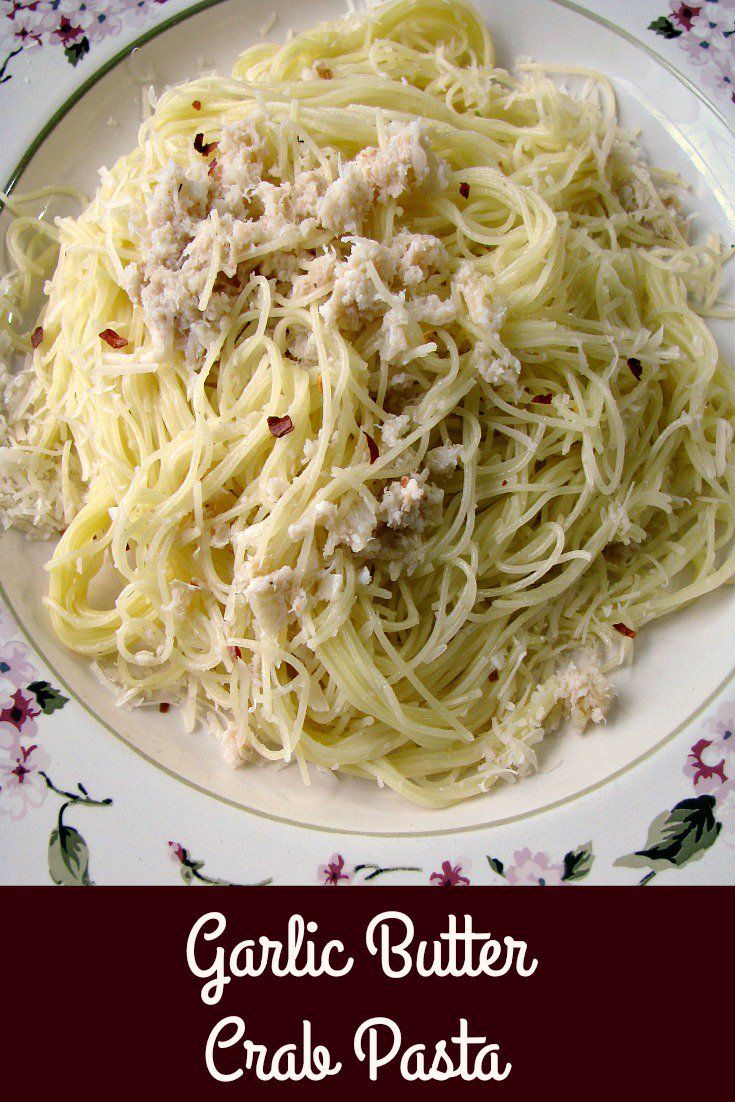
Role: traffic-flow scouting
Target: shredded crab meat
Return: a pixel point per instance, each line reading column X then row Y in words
column 199, row 226
column 381, row 415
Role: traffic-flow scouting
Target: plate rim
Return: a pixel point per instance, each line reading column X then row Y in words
column 202, row 5
column 23, row 162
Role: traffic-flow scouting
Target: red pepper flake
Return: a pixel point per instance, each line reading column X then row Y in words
column 542, row 399
column 227, row 283
column 494, row 675
column 504, row 482
column 636, row 367
column 37, row 336
column 109, row 336
column 372, row 447
column 280, row 426
column 404, row 481
column 464, row 190
column 196, row 104
column 163, row 708
column 212, row 167
column 625, row 630
column 205, row 148
column 323, row 71
column 234, row 652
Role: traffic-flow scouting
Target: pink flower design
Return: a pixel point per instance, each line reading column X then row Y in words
column 16, row 7
column 83, row 12
column 97, row 19
column 27, row 25
column 21, row 783
column 711, row 761
column 720, row 76
column 103, row 26
column 139, row 10
column 530, row 868
column 682, row 15
column 19, row 711
column 67, row 32
column 451, row 876
column 70, row 24
column 704, row 31
column 93, row 7
column 716, row 12
column 178, row 853
column 335, row 871
column 16, row 670
column 721, row 725
column 697, row 49
column 706, row 776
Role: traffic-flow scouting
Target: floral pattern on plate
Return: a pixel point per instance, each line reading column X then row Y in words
column 336, row 871
column 25, row 782
column 676, row 837
column 191, row 870
column 539, row 870
column 697, row 769
column 704, row 31
column 69, row 25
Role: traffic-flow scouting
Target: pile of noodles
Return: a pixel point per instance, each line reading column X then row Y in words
column 594, row 495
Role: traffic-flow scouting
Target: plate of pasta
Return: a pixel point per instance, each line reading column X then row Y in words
column 367, row 450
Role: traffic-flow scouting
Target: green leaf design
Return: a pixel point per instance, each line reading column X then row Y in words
column 76, row 51
column 677, row 836
column 496, row 865
column 5, row 76
column 578, row 862
column 191, row 873
column 684, row 833
column 49, row 699
column 664, row 27
column 68, row 856
column 381, row 870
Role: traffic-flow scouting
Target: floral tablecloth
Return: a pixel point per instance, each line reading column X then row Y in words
column 88, row 810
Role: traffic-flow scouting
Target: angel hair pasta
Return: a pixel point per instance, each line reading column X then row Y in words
column 376, row 379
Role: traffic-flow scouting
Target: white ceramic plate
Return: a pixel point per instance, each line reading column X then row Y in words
column 682, row 665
